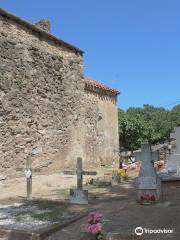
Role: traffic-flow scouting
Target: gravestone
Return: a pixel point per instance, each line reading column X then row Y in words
column 149, row 185
column 78, row 195
column 172, row 168
column 173, row 165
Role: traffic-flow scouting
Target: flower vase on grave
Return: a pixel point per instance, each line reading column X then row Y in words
column 148, row 198
column 94, row 227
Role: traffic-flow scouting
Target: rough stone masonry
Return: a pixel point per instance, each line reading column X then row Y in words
column 47, row 107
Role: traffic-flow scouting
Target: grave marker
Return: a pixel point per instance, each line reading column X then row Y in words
column 149, row 185
column 173, row 164
column 28, row 175
column 78, row 195
column 172, row 170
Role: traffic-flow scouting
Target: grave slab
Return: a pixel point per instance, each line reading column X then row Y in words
column 36, row 220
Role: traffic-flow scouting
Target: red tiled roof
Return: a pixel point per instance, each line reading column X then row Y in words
column 89, row 81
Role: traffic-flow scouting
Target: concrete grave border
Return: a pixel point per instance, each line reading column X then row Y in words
column 14, row 234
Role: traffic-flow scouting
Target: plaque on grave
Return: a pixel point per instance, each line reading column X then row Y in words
column 28, row 173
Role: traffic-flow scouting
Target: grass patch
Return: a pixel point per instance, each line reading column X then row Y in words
column 44, row 210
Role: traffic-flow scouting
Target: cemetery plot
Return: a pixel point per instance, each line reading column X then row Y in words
column 117, row 203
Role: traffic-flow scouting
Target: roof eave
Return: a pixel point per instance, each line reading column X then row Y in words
column 103, row 88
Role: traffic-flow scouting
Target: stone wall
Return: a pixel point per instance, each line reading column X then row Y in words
column 45, row 109
column 108, row 130
column 101, row 140
column 40, row 95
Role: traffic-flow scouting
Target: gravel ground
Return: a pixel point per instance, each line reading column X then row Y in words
column 17, row 216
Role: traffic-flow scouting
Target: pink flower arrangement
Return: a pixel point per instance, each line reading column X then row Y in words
column 95, row 225
column 94, row 228
column 95, row 217
column 148, row 197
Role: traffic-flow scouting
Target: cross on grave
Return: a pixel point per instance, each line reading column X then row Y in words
column 149, row 185
column 28, row 175
column 79, row 196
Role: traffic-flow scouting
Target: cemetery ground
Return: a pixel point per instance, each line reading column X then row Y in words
column 118, row 203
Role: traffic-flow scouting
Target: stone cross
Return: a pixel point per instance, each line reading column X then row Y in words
column 78, row 195
column 28, row 175
column 148, row 181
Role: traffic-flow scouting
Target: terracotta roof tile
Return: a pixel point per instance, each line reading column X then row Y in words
column 94, row 83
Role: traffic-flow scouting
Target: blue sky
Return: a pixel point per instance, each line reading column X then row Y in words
column 132, row 45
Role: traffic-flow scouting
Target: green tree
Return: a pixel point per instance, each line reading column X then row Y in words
column 131, row 131
column 175, row 115
column 152, row 124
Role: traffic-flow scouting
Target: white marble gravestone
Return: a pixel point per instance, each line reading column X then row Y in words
column 148, row 181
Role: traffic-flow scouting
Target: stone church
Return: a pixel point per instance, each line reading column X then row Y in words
column 48, row 109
